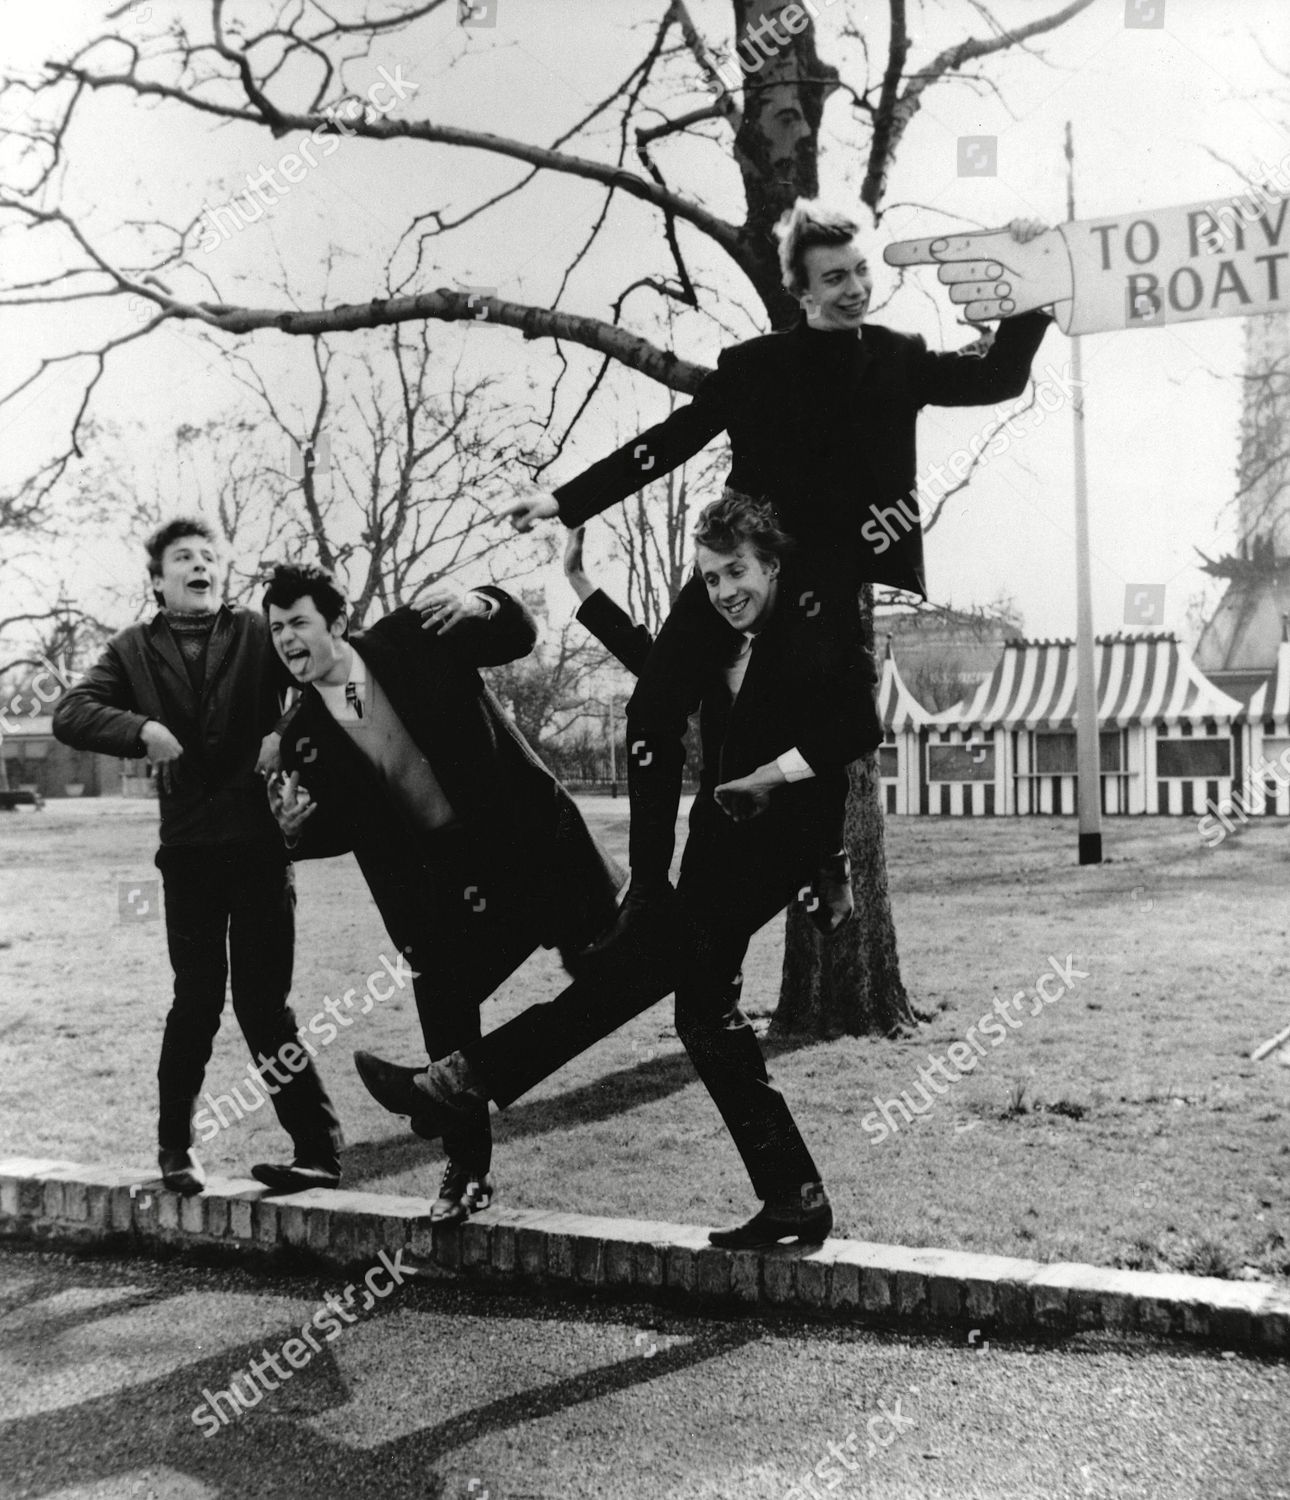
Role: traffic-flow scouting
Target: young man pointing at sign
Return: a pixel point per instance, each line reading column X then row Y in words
column 821, row 420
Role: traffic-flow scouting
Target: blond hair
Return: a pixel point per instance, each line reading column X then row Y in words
column 801, row 228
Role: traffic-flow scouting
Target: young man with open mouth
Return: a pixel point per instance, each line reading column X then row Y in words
column 474, row 853
column 195, row 690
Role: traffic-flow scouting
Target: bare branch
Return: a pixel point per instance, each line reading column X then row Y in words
column 896, row 109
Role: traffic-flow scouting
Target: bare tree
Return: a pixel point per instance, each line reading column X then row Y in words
column 546, row 691
column 383, row 474
column 763, row 112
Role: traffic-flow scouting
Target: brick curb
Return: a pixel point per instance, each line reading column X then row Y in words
column 56, row 1201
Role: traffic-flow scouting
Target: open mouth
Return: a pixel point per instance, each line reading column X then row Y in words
column 736, row 611
column 298, row 656
column 199, row 585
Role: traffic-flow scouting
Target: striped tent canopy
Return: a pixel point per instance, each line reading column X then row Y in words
column 898, row 709
column 1272, row 699
column 1140, row 679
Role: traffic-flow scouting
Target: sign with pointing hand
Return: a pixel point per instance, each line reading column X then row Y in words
column 1221, row 258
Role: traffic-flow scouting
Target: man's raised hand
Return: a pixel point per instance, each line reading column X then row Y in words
column 446, row 606
column 523, row 513
column 574, row 570
column 995, row 273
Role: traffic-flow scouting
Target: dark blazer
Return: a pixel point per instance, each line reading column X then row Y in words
column 803, row 688
column 524, row 839
column 822, row 477
column 212, row 795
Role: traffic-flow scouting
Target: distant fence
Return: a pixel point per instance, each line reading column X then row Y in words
column 602, row 786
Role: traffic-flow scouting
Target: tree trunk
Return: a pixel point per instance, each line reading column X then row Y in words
column 850, row 982
column 786, row 86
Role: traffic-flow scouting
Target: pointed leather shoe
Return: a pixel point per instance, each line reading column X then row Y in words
column 391, row 1085
column 297, row 1176
column 808, row 1226
column 181, row 1171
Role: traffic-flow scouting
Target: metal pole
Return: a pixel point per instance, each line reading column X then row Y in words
column 1087, row 737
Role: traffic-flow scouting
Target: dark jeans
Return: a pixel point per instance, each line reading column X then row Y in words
column 230, row 912
column 734, row 878
column 692, row 646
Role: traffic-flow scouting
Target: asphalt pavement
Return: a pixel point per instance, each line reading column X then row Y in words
column 113, row 1374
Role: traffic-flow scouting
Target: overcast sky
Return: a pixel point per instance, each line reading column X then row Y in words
column 1161, row 115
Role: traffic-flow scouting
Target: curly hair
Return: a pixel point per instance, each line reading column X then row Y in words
column 736, row 518
column 803, row 227
column 292, row 581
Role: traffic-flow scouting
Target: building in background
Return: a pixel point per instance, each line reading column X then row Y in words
column 1237, row 647
column 33, row 760
column 1171, row 741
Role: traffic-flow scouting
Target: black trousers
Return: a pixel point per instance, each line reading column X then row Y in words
column 690, row 650
column 462, row 931
column 463, row 935
column 230, row 914
column 734, row 878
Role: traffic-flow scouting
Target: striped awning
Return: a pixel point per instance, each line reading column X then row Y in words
column 898, row 709
column 1140, row 679
column 1272, row 701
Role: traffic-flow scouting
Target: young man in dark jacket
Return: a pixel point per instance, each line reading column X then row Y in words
column 780, row 719
column 821, row 420
column 474, row 853
column 194, row 690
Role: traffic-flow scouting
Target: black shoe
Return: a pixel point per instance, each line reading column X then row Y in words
column 775, row 1222
column 392, row 1086
column 181, row 1171
column 298, row 1176
column 645, row 928
column 834, row 900
column 462, row 1192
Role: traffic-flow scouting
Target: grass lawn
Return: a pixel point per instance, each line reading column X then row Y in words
column 1124, row 1124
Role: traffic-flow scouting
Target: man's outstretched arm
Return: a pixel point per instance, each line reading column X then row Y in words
column 648, row 456
column 966, row 377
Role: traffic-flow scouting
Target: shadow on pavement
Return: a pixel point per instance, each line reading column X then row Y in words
column 275, row 1447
